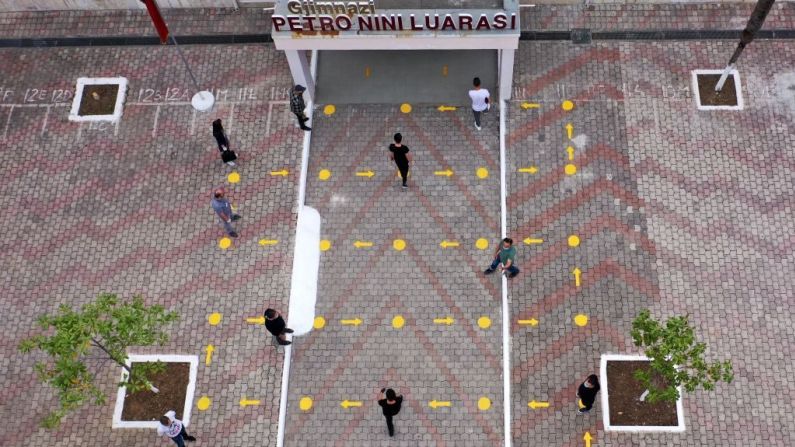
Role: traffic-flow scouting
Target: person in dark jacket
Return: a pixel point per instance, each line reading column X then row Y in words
column 297, row 106
column 275, row 324
column 587, row 393
column 390, row 406
column 228, row 156
column 399, row 153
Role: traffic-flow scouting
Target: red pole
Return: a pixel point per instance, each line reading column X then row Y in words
column 157, row 19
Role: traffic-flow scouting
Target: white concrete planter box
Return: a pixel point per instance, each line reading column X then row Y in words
column 680, row 412
column 165, row 358
column 117, row 109
column 737, row 86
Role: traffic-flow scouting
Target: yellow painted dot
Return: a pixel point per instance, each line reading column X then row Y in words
column 482, row 173
column 570, row 169
column 325, row 245
column 399, row 244
column 567, row 105
column 225, row 243
column 305, row 404
column 319, row 323
column 580, row 320
column 233, row 177
column 398, row 321
column 484, row 403
column 203, row 403
column 329, row 109
column 324, row 174
column 214, row 318
column 482, row 244
column 405, row 108
column 574, row 240
column 484, row 322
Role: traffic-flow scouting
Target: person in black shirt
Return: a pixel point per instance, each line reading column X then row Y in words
column 390, row 406
column 400, row 154
column 587, row 392
column 275, row 324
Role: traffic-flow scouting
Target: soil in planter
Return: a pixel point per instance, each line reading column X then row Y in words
column 727, row 96
column 149, row 406
column 103, row 103
column 624, row 391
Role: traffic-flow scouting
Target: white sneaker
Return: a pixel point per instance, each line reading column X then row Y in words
column 476, row 126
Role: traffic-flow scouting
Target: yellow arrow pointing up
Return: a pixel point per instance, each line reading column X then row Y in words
column 577, row 272
column 569, row 130
column 530, row 170
column 350, row 403
column 447, row 320
column 282, row 173
column 530, row 105
column 587, row 438
column 438, row 404
column 257, row 320
column 265, row 242
column 530, row 241
column 246, row 402
column 367, row 174
column 447, row 172
column 446, row 108
column 353, row 322
column 570, row 151
column 531, row 322
column 362, row 244
column 536, row 405
column 209, row 357
column 448, row 244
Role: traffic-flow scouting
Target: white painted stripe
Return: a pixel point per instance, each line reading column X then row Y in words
column 268, row 123
column 154, row 125
column 8, row 122
column 44, row 121
column 506, row 314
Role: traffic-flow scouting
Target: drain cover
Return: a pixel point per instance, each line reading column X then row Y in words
column 581, row 35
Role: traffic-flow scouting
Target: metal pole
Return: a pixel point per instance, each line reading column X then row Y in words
column 185, row 61
column 755, row 23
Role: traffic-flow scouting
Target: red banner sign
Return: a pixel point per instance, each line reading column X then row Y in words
column 157, row 19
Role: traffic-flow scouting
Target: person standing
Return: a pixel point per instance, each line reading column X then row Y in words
column 228, row 156
column 297, row 106
column 275, row 324
column 480, row 101
column 399, row 153
column 174, row 428
column 390, row 406
column 223, row 209
column 587, row 393
column 504, row 259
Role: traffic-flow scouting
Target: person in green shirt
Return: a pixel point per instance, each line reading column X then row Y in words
column 503, row 258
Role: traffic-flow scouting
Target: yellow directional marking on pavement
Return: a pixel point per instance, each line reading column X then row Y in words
column 573, row 240
column 439, row 404
column 482, row 173
column 214, row 318
column 446, row 320
column 482, row 244
column 319, row 323
column 587, row 438
column 528, row 170
column 531, row 322
column 532, row 241
column 570, row 151
column 448, row 244
column 484, row 403
column 352, row 322
column 248, row 402
column 362, row 244
column 569, row 130
column 208, row 358
column 577, row 274
column 484, row 322
column 324, row 174
column 580, row 320
column 305, row 404
column 256, row 320
column 368, row 71
column 329, row 109
column 570, row 169
column 399, row 244
column 325, row 245
column 445, row 70
column 446, row 108
column 265, row 242
column 531, row 105
column 233, row 177
column 447, row 172
column 282, row 173
column 398, row 321
column 567, row 105
column 225, row 243
column 536, row 405
column 203, row 403
column 405, row 108
column 350, row 403
column 368, row 174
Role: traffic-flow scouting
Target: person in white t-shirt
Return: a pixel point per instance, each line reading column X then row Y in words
column 480, row 101
column 174, row 428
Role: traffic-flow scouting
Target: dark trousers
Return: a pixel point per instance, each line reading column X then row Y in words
column 512, row 269
column 180, row 438
column 477, row 116
column 404, row 172
column 302, row 119
column 389, row 425
column 588, row 405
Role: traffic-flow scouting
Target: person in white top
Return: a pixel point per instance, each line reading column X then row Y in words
column 480, row 101
column 174, row 428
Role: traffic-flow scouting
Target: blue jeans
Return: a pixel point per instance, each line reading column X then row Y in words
column 179, row 439
column 513, row 270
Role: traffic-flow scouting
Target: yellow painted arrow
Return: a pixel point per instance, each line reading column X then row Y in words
column 265, row 242
column 257, row 320
column 446, row 173
column 446, row 108
column 367, row 72
column 354, row 322
column 283, row 172
column 569, row 130
column 531, row 322
column 570, row 151
column 246, row 402
column 448, row 244
column 438, row 404
column 587, row 438
column 577, row 272
column 362, row 244
column 447, row 320
column 529, row 241
column 530, row 105
column 536, row 405
column 367, row 174
column 530, row 170
column 445, row 70
column 209, row 357
column 350, row 403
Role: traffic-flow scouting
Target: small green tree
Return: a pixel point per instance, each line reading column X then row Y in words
column 106, row 324
column 676, row 356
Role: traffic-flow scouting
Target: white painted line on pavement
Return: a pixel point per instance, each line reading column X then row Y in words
column 268, row 123
column 44, row 121
column 154, row 125
column 506, row 327
column 8, row 122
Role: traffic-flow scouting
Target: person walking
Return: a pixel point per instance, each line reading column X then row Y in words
column 174, row 428
column 587, row 393
column 297, row 106
column 275, row 324
column 399, row 153
column 228, row 156
column 223, row 209
column 504, row 259
column 480, row 101
column 390, row 406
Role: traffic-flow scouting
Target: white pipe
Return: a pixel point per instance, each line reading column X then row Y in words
column 723, row 77
column 506, row 327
